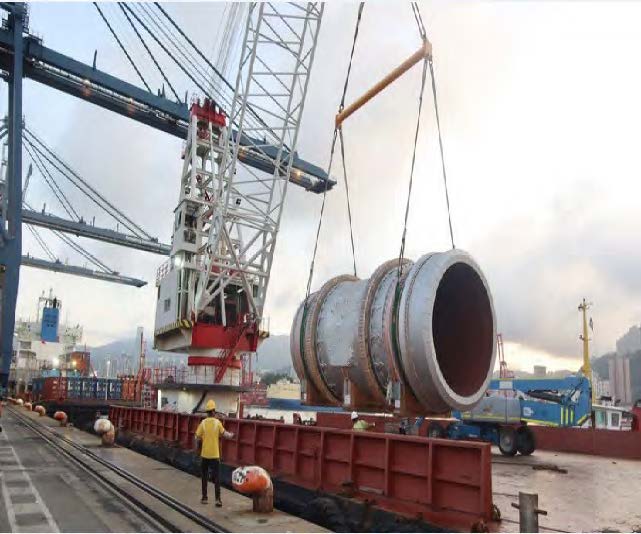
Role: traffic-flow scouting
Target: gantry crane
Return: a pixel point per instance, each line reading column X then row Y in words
column 211, row 291
column 23, row 55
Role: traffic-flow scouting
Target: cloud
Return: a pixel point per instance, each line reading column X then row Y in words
column 540, row 132
column 540, row 267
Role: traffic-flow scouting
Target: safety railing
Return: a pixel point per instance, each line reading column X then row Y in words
column 162, row 271
column 196, row 374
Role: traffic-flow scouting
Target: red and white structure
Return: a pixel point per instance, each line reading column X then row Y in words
column 211, row 292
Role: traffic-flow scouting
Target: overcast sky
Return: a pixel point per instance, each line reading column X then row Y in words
column 540, row 116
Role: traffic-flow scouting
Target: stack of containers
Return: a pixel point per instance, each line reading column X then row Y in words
column 54, row 388
column 74, row 388
column 114, row 389
column 88, row 387
column 37, row 385
column 102, row 386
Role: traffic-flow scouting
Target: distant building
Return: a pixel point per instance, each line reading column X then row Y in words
column 619, row 372
column 601, row 386
column 283, row 389
column 629, row 342
column 619, row 366
column 540, row 371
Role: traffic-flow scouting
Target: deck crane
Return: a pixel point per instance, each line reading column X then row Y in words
column 212, row 290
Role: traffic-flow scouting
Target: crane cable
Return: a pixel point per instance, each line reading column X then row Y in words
column 49, row 180
column 198, row 74
column 122, row 47
column 161, row 45
column 440, row 144
column 84, row 252
column 214, row 69
column 411, row 181
column 331, row 160
column 41, row 242
column 349, row 208
column 84, row 186
column 151, row 55
column 427, row 63
column 76, row 246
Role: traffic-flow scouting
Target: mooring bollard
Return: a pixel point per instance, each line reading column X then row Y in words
column 256, row 482
column 529, row 511
column 61, row 417
column 105, row 429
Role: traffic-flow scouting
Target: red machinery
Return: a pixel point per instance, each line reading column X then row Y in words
column 208, row 111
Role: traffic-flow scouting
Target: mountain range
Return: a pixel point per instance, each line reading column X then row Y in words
column 122, row 355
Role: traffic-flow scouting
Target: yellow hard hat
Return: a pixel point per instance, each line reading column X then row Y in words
column 210, row 406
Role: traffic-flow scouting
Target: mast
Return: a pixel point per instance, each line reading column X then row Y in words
column 587, row 369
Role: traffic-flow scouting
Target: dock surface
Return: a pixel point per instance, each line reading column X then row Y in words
column 581, row 493
column 44, row 491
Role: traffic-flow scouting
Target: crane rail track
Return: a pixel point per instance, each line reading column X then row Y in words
column 54, row 440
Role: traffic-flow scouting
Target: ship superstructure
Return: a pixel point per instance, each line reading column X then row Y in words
column 44, row 345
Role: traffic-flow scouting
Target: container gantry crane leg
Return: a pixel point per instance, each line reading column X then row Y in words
column 11, row 197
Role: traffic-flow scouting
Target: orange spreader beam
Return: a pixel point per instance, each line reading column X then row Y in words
column 425, row 51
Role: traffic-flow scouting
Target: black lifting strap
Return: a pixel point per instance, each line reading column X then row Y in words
column 331, row 160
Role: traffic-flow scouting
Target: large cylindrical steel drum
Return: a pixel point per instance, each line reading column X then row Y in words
column 433, row 331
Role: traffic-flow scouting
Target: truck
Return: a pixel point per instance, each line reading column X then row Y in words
column 503, row 415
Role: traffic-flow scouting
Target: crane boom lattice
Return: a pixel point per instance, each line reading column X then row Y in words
column 276, row 60
column 233, row 185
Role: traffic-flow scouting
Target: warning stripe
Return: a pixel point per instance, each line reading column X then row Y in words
column 176, row 325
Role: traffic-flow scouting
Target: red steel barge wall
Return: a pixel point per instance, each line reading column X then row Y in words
column 618, row 444
column 444, row 482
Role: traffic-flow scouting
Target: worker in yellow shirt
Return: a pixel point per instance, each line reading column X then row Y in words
column 359, row 424
column 208, row 443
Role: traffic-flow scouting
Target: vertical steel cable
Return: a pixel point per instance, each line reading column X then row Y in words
column 423, row 33
column 409, row 190
column 427, row 63
column 331, row 155
column 440, row 144
column 349, row 208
